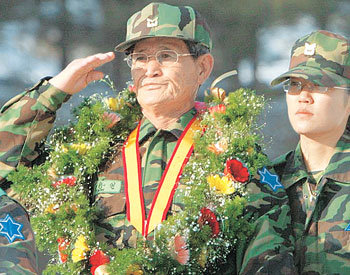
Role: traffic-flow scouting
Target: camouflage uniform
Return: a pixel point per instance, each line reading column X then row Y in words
column 24, row 122
column 319, row 200
column 319, row 210
column 17, row 246
column 30, row 117
column 156, row 148
column 267, row 205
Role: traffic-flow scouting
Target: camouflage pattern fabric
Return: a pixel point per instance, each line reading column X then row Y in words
column 17, row 254
column 24, row 122
column 319, row 210
column 321, row 57
column 156, row 148
column 268, row 253
column 163, row 20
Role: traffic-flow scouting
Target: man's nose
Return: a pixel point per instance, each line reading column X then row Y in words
column 153, row 68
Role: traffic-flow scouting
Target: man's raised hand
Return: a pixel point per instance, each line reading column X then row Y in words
column 80, row 72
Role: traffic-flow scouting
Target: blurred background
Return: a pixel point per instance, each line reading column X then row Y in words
column 39, row 38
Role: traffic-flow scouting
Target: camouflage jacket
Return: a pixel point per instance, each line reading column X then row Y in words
column 24, row 122
column 28, row 118
column 320, row 210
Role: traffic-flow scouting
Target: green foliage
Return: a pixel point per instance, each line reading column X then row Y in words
column 58, row 191
column 236, row 125
column 61, row 208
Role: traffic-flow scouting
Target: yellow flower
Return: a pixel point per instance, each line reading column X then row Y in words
column 80, row 249
column 52, row 208
column 64, row 149
column 81, row 148
column 115, row 104
column 51, row 172
column 250, row 150
column 112, row 103
column 134, row 269
column 221, row 185
column 202, row 259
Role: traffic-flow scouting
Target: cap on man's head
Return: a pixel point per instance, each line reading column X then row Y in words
column 163, row 20
column 321, row 57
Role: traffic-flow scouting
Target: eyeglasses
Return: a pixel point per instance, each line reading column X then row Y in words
column 296, row 87
column 163, row 57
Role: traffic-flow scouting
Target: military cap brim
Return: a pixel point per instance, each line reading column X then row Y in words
column 122, row 47
column 318, row 76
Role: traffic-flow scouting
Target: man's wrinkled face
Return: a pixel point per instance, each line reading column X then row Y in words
column 156, row 84
column 313, row 113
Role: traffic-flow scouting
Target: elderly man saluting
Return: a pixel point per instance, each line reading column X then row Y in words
column 168, row 51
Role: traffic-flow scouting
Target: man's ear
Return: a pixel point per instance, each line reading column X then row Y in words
column 205, row 66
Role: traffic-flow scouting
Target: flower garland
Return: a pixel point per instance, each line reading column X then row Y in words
column 195, row 240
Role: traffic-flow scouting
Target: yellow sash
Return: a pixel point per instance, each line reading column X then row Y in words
column 167, row 184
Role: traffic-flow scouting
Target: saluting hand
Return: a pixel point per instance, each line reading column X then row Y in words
column 80, row 72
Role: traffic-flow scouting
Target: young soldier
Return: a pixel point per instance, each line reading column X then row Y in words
column 316, row 174
column 168, row 51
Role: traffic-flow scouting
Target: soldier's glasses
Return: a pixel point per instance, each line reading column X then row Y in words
column 163, row 57
column 296, row 87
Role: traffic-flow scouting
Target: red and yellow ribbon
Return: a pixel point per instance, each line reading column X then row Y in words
column 167, row 184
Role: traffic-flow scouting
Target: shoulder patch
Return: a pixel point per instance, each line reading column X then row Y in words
column 270, row 179
column 11, row 229
column 347, row 228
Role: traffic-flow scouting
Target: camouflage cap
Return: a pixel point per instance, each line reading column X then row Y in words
column 321, row 57
column 163, row 20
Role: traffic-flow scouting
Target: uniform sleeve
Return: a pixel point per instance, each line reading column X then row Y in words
column 270, row 250
column 24, row 122
column 17, row 246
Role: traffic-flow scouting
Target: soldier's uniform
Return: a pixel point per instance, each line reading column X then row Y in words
column 24, row 123
column 33, row 114
column 319, row 200
column 319, row 209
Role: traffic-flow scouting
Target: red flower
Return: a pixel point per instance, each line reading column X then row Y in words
column 200, row 107
column 98, row 258
column 62, row 245
column 236, row 171
column 207, row 217
column 132, row 88
column 220, row 109
column 69, row 181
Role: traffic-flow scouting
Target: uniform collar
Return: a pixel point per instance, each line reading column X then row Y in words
column 338, row 168
column 176, row 128
column 295, row 168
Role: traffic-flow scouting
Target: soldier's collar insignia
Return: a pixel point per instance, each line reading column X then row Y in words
column 270, row 179
column 347, row 228
column 309, row 49
column 152, row 22
column 11, row 229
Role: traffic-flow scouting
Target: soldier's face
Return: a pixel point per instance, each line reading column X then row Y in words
column 318, row 114
column 173, row 86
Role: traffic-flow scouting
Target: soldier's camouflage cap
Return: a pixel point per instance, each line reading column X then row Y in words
column 163, row 20
column 321, row 57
